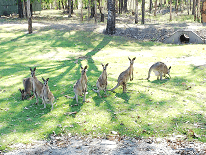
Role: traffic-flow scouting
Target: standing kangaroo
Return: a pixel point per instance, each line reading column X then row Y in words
column 125, row 76
column 102, row 81
column 160, row 69
column 28, row 87
column 80, row 86
column 48, row 97
column 37, row 86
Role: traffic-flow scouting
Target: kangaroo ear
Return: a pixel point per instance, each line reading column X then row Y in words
column 134, row 58
column 34, row 68
column 129, row 59
column 102, row 64
column 170, row 67
column 19, row 89
column 30, row 69
column 81, row 67
column 107, row 64
column 85, row 67
column 47, row 79
column 43, row 79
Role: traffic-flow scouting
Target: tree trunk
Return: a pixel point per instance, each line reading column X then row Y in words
column 136, row 11
column 188, row 10
column 101, row 12
column 150, row 6
column 170, row 10
column 155, row 12
column 92, row 9
column 70, row 8
column 177, row 6
column 160, row 4
column 194, row 8
column 198, row 10
column 24, row 9
column 95, row 10
column 111, row 17
column 29, row 17
column 125, row 6
column 88, row 9
column 20, row 9
column 143, row 11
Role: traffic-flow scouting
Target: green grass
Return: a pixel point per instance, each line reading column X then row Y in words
column 150, row 108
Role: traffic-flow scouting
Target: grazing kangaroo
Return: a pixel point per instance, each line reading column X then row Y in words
column 102, row 81
column 28, row 87
column 125, row 76
column 80, row 86
column 37, row 86
column 48, row 97
column 160, row 69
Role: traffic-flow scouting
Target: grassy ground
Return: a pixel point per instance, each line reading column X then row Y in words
column 149, row 108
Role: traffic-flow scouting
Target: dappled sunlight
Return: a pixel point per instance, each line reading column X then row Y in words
column 149, row 108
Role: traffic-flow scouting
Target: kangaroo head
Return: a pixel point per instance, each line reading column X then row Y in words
column 105, row 67
column 32, row 72
column 22, row 93
column 45, row 81
column 84, row 70
column 132, row 60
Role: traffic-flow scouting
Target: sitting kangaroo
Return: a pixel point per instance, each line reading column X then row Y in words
column 28, row 87
column 102, row 81
column 81, row 85
column 48, row 97
column 125, row 76
column 159, row 68
column 37, row 86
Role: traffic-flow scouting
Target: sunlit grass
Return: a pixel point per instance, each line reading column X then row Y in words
column 149, row 108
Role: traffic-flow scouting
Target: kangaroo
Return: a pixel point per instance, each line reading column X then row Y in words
column 102, row 81
column 28, row 87
column 160, row 69
column 48, row 97
column 125, row 76
column 80, row 86
column 37, row 86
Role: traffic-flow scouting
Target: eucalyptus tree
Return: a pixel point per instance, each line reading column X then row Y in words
column 110, row 29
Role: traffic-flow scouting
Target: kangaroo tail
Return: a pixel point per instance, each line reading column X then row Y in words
column 149, row 73
column 114, row 87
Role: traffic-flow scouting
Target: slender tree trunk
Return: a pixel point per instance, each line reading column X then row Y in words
column 170, row 10
column 190, row 5
column 24, row 9
column 160, row 4
column 125, row 6
column 20, row 9
column 177, row 6
column 188, row 10
column 95, row 11
column 120, row 6
column 81, row 6
column 101, row 11
column 111, row 17
column 29, row 17
column 70, row 8
column 194, row 5
column 136, row 11
column 198, row 10
column 92, row 9
column 155, row 12
column 143, row 11
column 150, row 6
column 88, row 9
